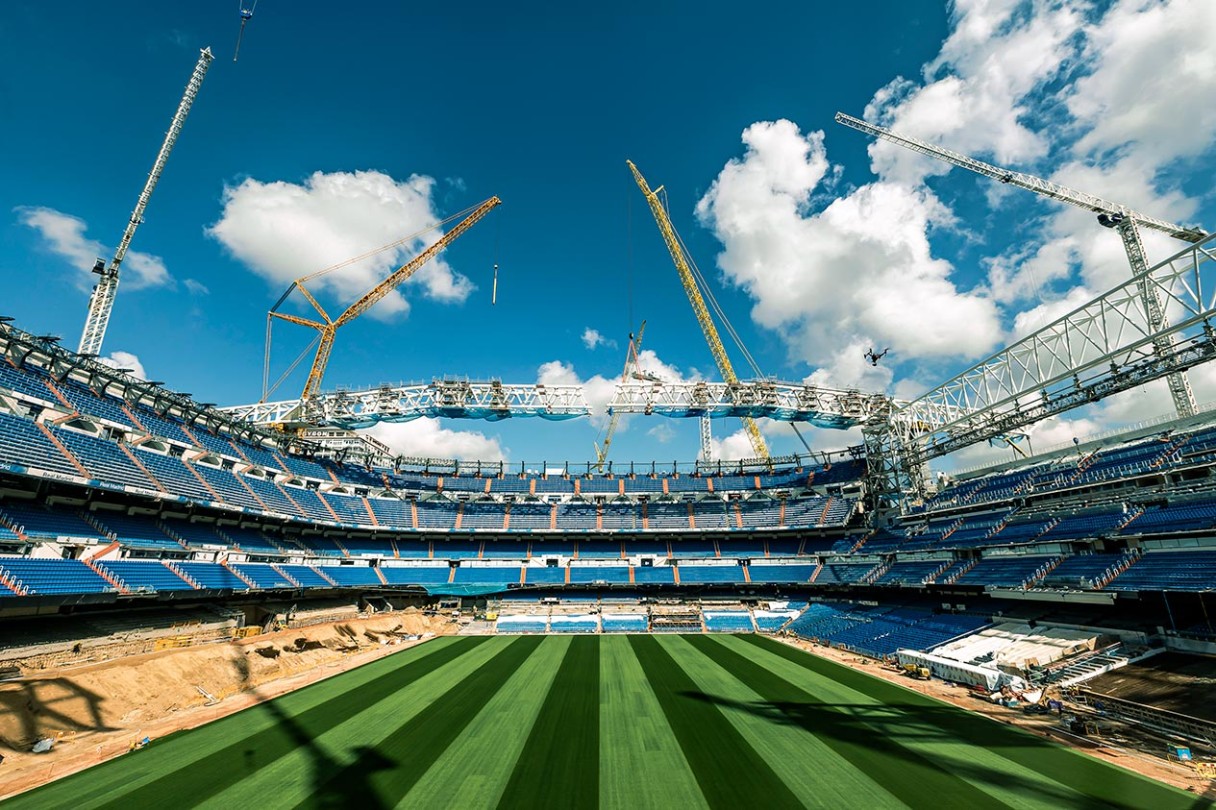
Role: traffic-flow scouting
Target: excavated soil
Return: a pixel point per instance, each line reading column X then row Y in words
column 95, row 711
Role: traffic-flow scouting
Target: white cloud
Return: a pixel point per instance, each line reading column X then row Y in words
column 661, row 433
column 125, row 360
column 974, row 94
column 598, row 389
column 196, row 287
column 1152, row 61
column 732, row 447
column 1036, row 318
column 428, row 439
column 859, row 274
column 592, row 339
column 283, row 231
column 64, row 236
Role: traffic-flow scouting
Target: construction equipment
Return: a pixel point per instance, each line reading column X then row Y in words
column 1111, row 215
column 327, row 327
column 920, row 673
column 246, row 16
column 631, row 371
column 689, row 275
column 101, row 302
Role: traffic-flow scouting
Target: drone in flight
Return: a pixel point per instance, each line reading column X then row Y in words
column 874, row 356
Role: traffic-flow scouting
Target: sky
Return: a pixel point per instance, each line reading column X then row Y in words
column 346, row 127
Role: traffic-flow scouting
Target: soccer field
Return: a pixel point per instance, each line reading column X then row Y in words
column 604, row 721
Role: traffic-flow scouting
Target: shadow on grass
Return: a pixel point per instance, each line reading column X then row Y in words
column 898, row 732
column 44, row 707
column 355, row 790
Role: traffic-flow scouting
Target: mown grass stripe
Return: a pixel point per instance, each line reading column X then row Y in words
column 916, row 727
column 731, row 774
column 174, row 766
column 381, row 775
column 917, row 781
column 799, row 759
column 291, row 778
column 474, row 771
column 1104, row 785
column 641, row 764
column 559, row 764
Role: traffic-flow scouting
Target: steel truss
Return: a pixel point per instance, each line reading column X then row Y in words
column 1099, row 349
column 454, row 399
column 782, row 401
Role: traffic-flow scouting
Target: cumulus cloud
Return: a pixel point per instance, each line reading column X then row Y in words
column 598, row 389
column 1151, row 60
column 860, row 273
column 592, row 339
column 125, row 360
column 284, row 230
column 429, row 439
column 732, row 447
column 64, row 235
column 974, row 96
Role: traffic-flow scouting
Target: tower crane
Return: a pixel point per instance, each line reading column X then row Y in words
column 327, row 327
column 630, row 371
column 686, row 268
column 1110, row 214
column 101, row 302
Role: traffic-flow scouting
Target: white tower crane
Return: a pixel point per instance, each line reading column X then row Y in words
column 101, row 302
column 1110, row 214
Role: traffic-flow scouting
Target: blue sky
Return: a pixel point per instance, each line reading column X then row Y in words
column 344, row 126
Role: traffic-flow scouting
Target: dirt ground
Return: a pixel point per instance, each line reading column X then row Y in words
column 96, row 711
column 1180, row 776
column 1174, row 682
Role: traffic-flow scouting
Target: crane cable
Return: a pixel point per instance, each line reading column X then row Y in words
column 708, row 294
column 395, row 244
column 246, row 16
column 268, row 389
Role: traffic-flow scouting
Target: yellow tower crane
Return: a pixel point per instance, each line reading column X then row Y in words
column 630, row 371
column 327, row 327
column 685, row 266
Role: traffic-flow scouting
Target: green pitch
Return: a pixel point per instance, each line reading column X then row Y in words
column 605, row 721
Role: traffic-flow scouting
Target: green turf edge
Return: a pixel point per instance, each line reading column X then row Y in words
column 559, row 764
column 915, row 726
column 118, row 780
column 731, row 774
column 1109, row 784
column 914, row 779
column 292, row 777
column 382, row 774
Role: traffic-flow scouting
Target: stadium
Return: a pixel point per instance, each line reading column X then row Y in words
column 264, row 604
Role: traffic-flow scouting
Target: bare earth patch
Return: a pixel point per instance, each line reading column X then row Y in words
column 97, row 711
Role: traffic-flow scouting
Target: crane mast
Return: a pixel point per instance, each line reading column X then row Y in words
column 328, row 327
column 697, row 300
column 101, row 302
column 631, row 368
column 1110, row 214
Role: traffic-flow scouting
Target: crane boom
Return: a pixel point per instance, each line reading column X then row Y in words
column 101, row 302
column 631, row 365
column 328, row 328
column 1029, row 182
column 1110, row 214
column 697, row 300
